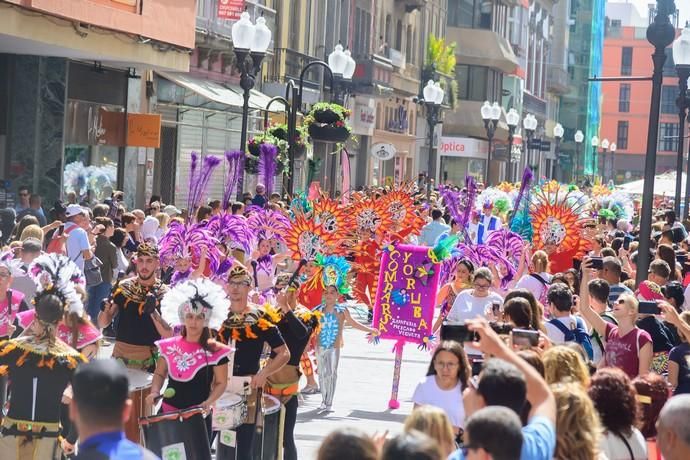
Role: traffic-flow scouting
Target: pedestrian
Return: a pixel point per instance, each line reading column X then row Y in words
column 679, row 363
column 493, row 433
column 99, row 407
column 411, row 445
column 259, row 198
column 539, row 278
column 562, row 364
column 652, row 394
column 433, row 422
column 674, row 429
column 107, row 254
column 474, row 302
column 346, row 444
column 434, row 229
column 77, row 243
column 563, row 325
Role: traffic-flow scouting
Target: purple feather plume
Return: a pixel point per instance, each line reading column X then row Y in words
column 527, row 177
column 268, row 157
column 197, row 189
column 233, row 231
column 470, row 196
column 235, row 161
column 192, row 178
column 453, row 201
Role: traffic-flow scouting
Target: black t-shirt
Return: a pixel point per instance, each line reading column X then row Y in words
column 195, row 391
column 296, row 335
column 135, row 325
column 681, row 356
column 662, row 337
column 248, row 346
column 45, row 383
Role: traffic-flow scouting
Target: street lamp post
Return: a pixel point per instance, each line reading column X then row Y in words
column 605, row 148
column 529, row 124
column 558, row 132
column 433, row 98
column 512, row 119
column 595, row 150
column 579, row 138
column 681, row 56
column 491, row 113
column 613, row 147
column 250, row 42
column 660, row 34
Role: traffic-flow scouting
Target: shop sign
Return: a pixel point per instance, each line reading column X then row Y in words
column 144, row 130
column 363, row 117
column 230, row 9
column 383, row 151
column 462, row 147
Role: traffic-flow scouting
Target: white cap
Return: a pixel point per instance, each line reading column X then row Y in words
column 74, row 210
column 171, row 210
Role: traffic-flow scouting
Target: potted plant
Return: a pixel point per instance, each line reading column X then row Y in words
column 328, row 122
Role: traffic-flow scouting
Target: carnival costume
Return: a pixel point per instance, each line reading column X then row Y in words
column 186, row 360
column 40, row 367
column 14, row 300
column 136, row 333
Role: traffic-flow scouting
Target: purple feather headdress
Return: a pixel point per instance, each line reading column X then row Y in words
column 185, row 241
column 470, row 194
column 235, row 165
column 268, row 224
column 233, row 231
column 527, row 177
column 268, row 157
column 198, row 181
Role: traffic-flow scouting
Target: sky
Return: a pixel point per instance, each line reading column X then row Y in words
column 682, row 5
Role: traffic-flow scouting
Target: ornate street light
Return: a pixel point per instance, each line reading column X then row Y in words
column 529, row 124
column 512, row 119
column 250, row 42
column 579, row 139
column 613, row 148
column 433, row 98
column 681, row 56
column 605, row 147
column 558, row 132
column 595, row 150
column 491, row 114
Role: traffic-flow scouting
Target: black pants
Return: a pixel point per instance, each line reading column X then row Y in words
column 289, row 430
column 245, row 441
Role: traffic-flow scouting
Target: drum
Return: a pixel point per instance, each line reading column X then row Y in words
column 139, row 388
column 230, row 411
column 268, row 444
column 177, row 435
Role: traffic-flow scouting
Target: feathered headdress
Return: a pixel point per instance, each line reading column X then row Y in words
column 557, row 221
column 233, row 231
column 198, row 297
column 520, row 221
column 8, row 261
column 186, row 242
column 267, row 224
column 332, row 271
column 198, row 181
column 306, row 239
column 235, row 164
column 268, row 157
column 400, row 206
column 55, row 274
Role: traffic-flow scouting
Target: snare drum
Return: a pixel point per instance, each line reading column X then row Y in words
column 180, row 435
column 230, row 411
column 139, row 388
column 268, row 444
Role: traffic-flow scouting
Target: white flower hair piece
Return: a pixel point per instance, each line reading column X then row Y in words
column 198, row 296
column 57, row 274
column 8, row 261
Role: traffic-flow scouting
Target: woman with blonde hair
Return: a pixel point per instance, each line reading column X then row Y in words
column 433, row 422
column 578, row 427
column 32, row 231
column 563, row 365
column 537, row 281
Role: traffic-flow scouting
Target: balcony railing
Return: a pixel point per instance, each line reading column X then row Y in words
column 207, row 17
column 557, row 80
column 294, row 63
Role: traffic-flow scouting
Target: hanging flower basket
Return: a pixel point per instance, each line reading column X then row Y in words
column 279, row 132
column 326, row 116
column 329, row 133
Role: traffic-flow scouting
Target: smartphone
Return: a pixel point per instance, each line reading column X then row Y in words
column 496, row 309
column 626, row 242
column 682, row 257
column 649, row 308
column 525, row 338
column 597, row 263
column 477, row 366
column 457, row 332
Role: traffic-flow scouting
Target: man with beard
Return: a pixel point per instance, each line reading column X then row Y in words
column 136, row 302
column 248, row 329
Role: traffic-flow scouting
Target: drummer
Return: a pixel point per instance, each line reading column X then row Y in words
column 185, row 360
column 296, row 326
column 249, row 328
column 137, row 302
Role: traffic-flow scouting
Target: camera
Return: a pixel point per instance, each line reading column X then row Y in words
column 501, row 328
column 457, row 332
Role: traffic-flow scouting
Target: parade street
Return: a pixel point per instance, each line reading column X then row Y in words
column 358, row 401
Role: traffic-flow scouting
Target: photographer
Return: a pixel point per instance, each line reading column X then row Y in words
column 107, row 254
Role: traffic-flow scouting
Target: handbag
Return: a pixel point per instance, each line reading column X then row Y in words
column 92, row 271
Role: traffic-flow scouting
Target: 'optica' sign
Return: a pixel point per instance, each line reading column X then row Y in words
column 463, row 146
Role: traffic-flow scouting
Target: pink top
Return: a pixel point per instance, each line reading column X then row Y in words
column 87, row 333
column 186, row 358
column 7, row 315
column 624, row 352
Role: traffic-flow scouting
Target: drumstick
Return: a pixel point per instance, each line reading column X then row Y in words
column 168, row 393
column 294, row 276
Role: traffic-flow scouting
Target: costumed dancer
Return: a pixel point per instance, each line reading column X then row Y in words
column 334, row 316
column 40, row 366
column 247, row 329
column 185, row 360
column 12, row 301
column 270, row 228
column 462, row 279
column 136, row 301
column 296, row 325
column 488, row 222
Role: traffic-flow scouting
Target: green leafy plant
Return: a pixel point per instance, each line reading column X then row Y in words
column 441, row 56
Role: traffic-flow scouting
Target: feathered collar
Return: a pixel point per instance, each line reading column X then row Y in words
column 247, row 325
column 39, row 353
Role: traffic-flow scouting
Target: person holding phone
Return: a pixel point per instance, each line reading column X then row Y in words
column 663, row 338
column 473, row 302
column 625, row 345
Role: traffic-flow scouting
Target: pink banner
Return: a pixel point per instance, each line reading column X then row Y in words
column 406, row 296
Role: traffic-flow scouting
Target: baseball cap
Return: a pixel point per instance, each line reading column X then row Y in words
column 31, row 245
column 171, row 210
column 101, row 383
column 74, row 210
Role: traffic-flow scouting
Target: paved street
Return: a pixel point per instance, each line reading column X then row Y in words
column 364, row 386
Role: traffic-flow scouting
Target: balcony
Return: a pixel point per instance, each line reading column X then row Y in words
column 484, row 48
column 557, row 80
column 411, row 5
column 533, row 104
column 287, row 65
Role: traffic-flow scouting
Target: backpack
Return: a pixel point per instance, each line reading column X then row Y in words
column 543, row 297
column 578, row 335
column 56, row 245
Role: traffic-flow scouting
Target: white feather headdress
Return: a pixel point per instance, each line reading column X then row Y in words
column 198, row 296
column 57, row 274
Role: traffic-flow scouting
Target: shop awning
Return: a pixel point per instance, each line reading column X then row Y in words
column 483, row 48
column 225, row 94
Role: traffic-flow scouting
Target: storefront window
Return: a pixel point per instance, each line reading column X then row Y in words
column 90, row 172
column 454, row 169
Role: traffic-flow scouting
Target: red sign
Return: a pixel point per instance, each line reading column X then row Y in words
column 230, row 9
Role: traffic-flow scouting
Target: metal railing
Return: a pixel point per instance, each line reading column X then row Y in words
column 294, row 62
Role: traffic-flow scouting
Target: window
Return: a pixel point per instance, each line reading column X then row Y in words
column 668, row 99
column 622, row 136
column 669, row 65
column 362, row 34
column 624, row 98
column 398, row 35
column 478, row 83
column 668, row 137
column 626, row 60
column 462, row 13
column 409, row 46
